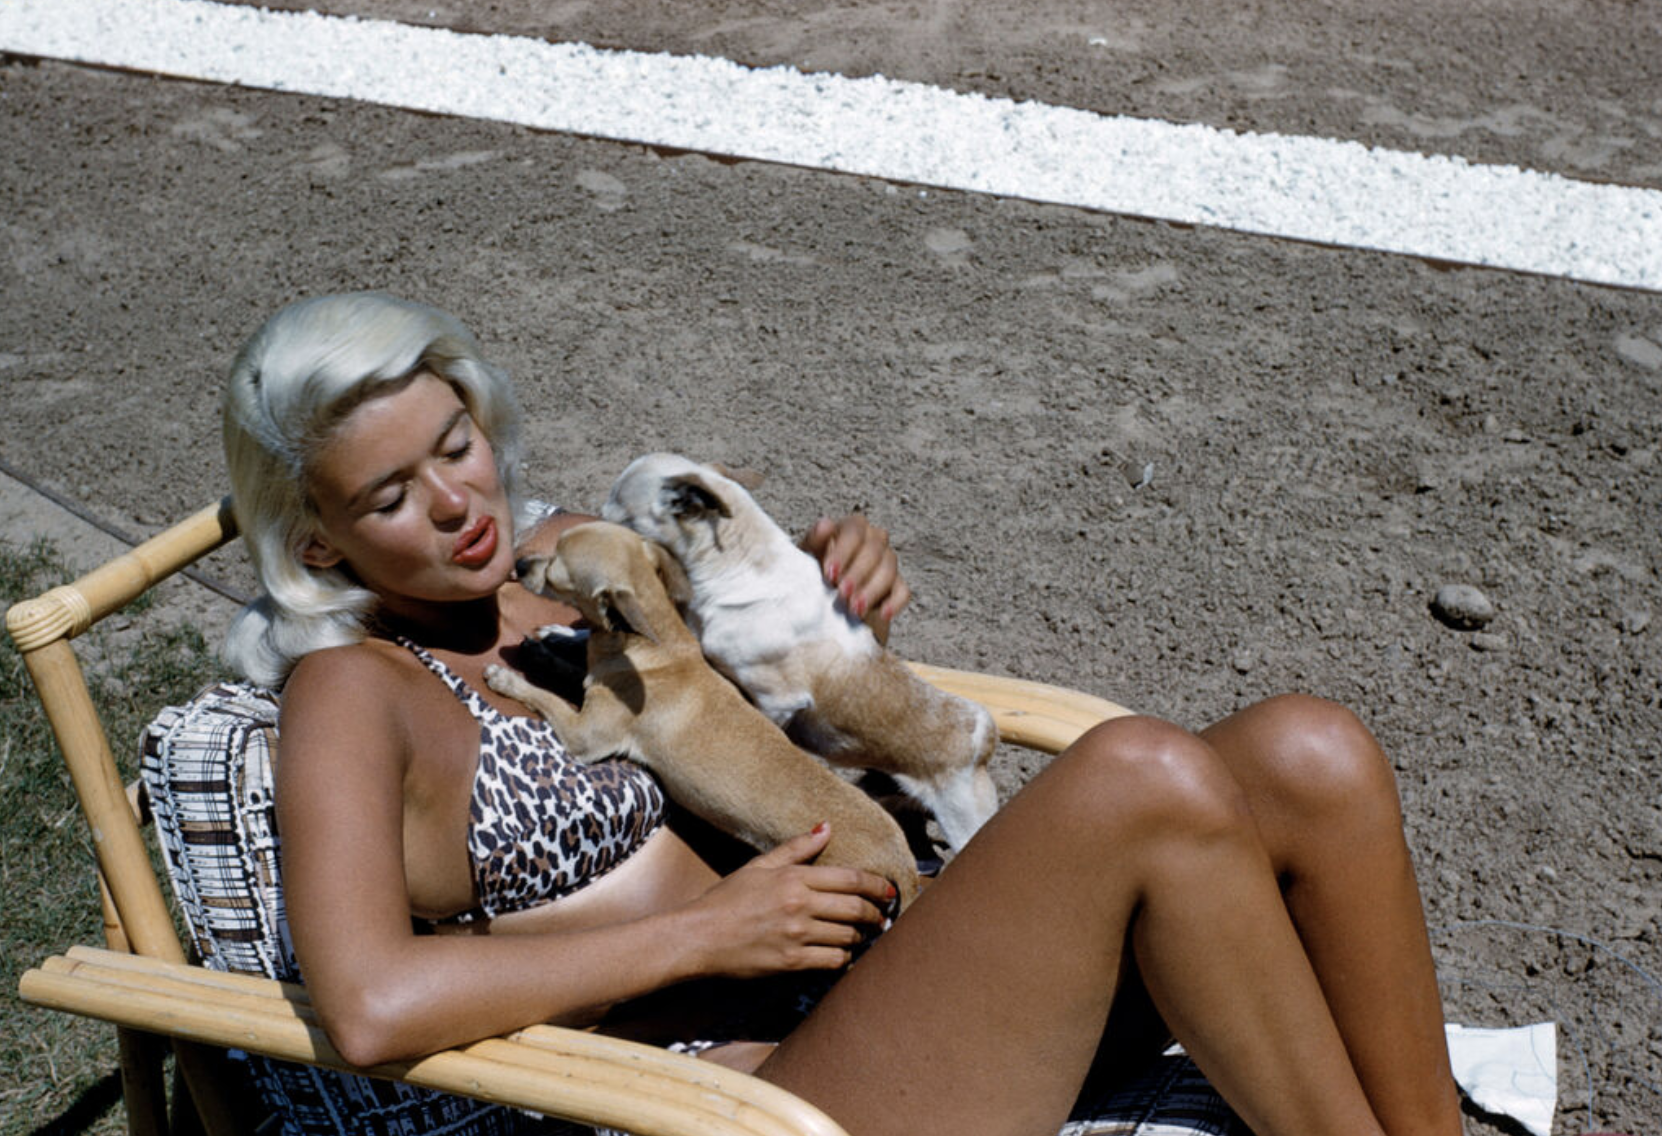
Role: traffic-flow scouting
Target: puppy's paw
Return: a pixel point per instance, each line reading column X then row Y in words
column 560, row 633
column 505, row 680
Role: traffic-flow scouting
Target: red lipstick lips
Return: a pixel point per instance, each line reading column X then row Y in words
column 477, row 544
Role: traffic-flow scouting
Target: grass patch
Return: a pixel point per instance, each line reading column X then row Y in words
column 55, row 1069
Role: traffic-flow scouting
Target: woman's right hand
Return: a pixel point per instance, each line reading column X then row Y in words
column 780, row 913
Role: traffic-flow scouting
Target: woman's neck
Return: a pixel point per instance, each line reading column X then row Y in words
column 472, row 627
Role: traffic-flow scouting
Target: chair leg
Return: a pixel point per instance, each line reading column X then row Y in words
column 187, row 1121
column 224, row 1105
column 143, row 1083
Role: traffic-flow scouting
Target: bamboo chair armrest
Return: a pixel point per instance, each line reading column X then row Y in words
column 1032, row 714
column 67, row 611
column 567, row 1073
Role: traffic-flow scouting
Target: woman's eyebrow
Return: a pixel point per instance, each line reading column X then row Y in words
column 393, row 475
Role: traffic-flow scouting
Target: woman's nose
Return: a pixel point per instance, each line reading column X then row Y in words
column 447, row 499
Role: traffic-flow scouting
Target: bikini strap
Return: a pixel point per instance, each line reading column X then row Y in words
column 475, row 703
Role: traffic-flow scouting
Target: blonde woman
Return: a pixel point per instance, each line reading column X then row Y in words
column 1245, row 888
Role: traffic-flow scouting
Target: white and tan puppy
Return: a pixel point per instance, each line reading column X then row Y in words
column 766, row 617
column 650, row 695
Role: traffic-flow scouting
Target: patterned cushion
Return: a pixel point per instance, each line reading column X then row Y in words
column 1170, row 1097
column 207, row 767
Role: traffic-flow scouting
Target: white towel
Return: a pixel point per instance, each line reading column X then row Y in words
column 1510, row 1072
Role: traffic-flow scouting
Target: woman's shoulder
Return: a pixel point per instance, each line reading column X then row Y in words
column 358, row 678
column 364, row 698
column 372, row 660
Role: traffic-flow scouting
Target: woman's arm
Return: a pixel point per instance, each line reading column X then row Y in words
column 383, row 992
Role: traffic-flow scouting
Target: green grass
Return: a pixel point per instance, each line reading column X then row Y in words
column 57, row 1071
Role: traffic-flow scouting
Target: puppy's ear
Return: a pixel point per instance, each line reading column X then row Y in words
column 676, row 584
column 530, row 571
column 623, row 611
column 689, row 497
column 597, row 610
column 750, row 479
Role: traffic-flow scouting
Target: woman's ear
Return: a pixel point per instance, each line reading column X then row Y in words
column 319, row 553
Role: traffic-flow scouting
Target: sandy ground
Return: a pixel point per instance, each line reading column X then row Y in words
column 1182, row 468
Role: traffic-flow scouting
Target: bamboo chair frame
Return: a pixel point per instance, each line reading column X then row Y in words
column 141, row 980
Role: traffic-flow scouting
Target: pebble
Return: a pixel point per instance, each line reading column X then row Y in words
column 1488, row 641
column 1243, row 660
column 1462, row 607
column 1635, row 621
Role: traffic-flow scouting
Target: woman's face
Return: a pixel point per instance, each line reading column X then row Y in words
column 407, row 495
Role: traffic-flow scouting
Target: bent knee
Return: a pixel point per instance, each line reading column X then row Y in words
column 1147, row 771
column 1316, row 758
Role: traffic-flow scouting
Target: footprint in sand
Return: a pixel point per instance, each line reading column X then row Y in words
column 1269, row 79
column 952, row 246
column 326, row 160
column 220, row 127
column 1641, row 350
column 456, row 161
column 608, row 192
column 767, row 254
column 1129, row 285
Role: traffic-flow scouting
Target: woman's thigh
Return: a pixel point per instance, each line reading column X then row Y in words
column 982, row 1008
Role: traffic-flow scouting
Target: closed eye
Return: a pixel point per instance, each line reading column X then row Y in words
column 458, row 441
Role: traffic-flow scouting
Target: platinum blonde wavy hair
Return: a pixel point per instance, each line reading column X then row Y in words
column 291, row 385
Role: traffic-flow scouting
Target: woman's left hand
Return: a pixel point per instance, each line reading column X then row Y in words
column 857, row 559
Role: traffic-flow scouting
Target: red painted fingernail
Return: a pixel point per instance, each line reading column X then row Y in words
column 820, row 827
column 860, row 605
column 833, row 570
column 891, row 893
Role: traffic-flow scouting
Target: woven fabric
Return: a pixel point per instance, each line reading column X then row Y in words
column 207, row 768
column 1169, row 1098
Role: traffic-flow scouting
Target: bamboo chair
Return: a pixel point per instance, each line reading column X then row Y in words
column 141, row 981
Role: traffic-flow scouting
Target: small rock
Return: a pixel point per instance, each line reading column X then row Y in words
column 1635, row 621
column 1462, row 607
column 1243, row 660
column 1488, row 641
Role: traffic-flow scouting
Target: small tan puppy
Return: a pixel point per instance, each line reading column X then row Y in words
column 650, row 695
column 765, row 617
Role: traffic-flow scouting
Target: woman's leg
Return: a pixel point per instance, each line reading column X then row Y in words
column 980, row 1010
column 1326, row 804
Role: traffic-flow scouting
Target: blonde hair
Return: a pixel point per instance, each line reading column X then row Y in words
column 291, row 384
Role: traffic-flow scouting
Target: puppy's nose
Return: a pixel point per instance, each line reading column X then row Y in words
column 523, row 566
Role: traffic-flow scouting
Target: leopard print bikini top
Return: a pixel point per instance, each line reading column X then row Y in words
column 542, row 825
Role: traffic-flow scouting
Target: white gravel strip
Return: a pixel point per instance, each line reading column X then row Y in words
column 1313, row 189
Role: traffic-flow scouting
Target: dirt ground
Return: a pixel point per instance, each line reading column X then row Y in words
column 1182, row 468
